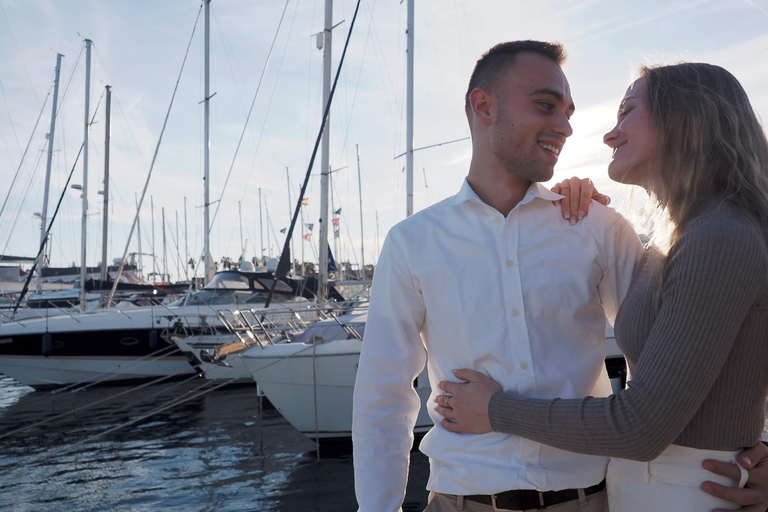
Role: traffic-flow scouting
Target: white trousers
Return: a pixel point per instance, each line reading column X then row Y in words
column 669, row 483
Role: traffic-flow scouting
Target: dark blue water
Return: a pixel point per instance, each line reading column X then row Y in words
column 215, row 452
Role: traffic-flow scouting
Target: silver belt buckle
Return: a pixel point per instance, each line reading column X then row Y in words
column 493, row 504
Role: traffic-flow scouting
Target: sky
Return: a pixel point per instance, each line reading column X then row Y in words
column 139, row 48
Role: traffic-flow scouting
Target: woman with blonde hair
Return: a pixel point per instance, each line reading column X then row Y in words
column 694, row 324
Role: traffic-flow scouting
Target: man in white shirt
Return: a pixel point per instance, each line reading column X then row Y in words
column 493, row 279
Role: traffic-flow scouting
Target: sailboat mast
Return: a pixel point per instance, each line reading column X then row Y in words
column 261, row 231
column 44, row 214
column 186, row 243
column 290, row 216
column 154, row 258
column 409, row 116
column 105, row 224
column 165, row 249
column 240, row 216
column 206, row 142
column 360, row 195
column 83, row 268
column 138, row 234
column 325, row 157
column 178, row 249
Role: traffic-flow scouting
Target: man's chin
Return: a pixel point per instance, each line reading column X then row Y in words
column 543, row 175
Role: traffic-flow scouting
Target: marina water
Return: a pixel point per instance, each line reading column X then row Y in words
column 214, row 452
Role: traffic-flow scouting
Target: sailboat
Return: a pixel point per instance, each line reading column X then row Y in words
column 311, row 381
column 128, row 343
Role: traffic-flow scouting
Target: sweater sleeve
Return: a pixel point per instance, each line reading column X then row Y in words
column 714, row 275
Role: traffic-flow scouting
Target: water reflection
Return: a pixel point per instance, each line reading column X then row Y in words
column 214, row 452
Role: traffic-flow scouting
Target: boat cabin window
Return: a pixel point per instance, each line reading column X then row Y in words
column 230, row 281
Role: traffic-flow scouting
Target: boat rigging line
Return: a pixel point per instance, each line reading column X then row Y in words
column 191, row 395
column 204, row 389
column 433, row 146
column 21, row 162
column 50, row 224
column 98, row 402
column 284, row 264
column 152, row 165
column 250, row 111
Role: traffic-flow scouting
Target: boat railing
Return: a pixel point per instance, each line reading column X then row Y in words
column 265, row 326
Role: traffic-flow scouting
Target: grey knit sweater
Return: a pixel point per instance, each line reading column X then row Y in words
column 697, row 345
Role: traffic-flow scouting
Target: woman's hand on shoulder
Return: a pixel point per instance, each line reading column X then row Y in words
column 578, row 194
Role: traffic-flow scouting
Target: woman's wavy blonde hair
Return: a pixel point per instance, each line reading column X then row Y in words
column 713, row 148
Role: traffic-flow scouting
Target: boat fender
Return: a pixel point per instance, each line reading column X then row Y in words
column 152, row 339
column 47, row 344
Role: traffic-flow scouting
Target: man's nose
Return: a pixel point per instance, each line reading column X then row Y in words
column 563, row 126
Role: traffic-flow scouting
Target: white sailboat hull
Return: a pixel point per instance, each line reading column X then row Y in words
column 312, row 385
column 52, row 371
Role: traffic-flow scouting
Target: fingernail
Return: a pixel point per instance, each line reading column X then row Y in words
column 708, row 466
column 581, row 215
column 454, row 371
column 747, row 460
column 706, row 487
column 573, row 221
column 567, row 215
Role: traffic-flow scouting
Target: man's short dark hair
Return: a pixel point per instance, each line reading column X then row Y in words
column 501, row 57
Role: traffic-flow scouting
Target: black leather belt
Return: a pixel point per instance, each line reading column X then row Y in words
column 529, row 499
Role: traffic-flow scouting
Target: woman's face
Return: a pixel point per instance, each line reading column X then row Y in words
column 634, row 142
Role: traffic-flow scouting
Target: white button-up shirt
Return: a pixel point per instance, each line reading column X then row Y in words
column 522, row 298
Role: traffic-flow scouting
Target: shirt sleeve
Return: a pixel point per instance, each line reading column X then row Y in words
column 385, row 403
column 622, row 251
column 712, row 279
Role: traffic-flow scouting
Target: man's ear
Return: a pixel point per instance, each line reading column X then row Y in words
column 481, row 103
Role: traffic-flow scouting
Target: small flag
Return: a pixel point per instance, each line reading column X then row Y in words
column 305, row 201
column 337, row 212
column 335, row 221
column 283, row 230
column 309, row 226
column 307, row 236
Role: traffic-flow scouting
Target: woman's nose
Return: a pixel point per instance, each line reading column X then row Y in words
column 610, row 138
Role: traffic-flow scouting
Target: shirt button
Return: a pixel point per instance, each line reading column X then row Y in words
column 496, row 220
column 524, row 366
column 529, row 464
column 515, row 312
column 510, row 263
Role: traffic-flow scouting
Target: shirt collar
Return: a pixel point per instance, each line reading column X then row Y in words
column 536, row 190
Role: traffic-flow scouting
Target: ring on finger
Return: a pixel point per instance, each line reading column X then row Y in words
column 744, row 475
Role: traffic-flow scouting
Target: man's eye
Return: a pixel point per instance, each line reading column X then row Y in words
column 547, row 105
